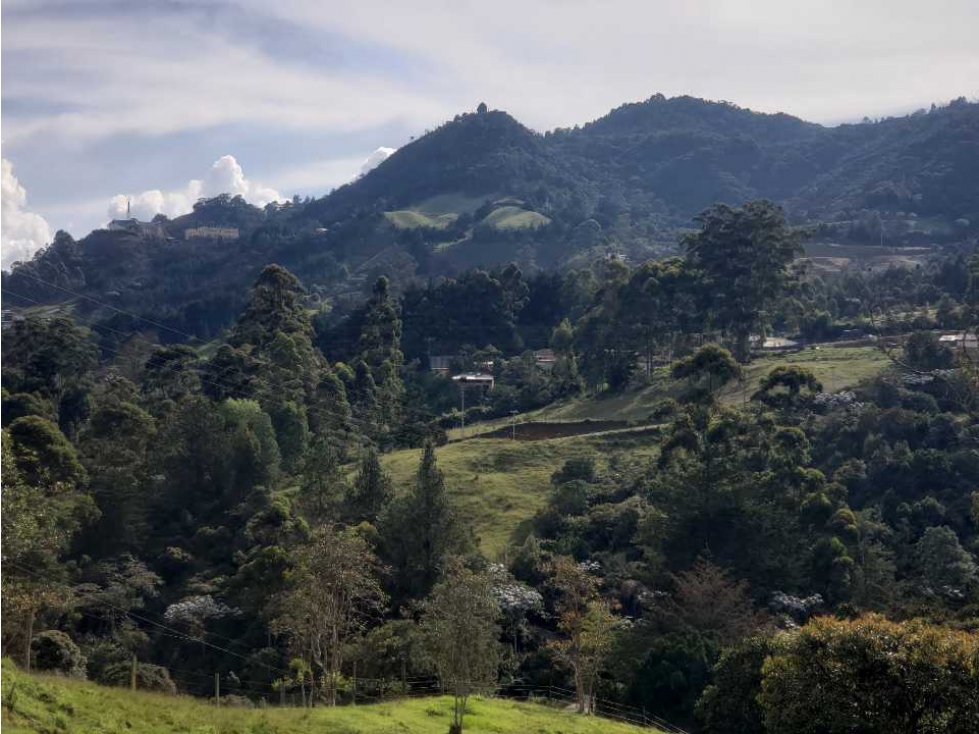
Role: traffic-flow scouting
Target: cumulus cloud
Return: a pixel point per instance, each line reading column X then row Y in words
column 225, row 177
column 375, row 159
column 23, row 232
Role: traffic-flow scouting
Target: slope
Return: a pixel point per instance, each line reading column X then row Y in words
column 50, row 704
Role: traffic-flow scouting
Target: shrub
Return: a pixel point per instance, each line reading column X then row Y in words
column 148, row 677
column 871, row 675
column 54, row 651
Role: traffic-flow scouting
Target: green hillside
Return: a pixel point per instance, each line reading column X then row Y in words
column 410, row 219
column 513, row 217
column 838, row 368
column 52, row 704
column 500, row 483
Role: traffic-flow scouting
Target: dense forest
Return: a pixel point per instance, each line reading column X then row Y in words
column 482, row 190
column 802, row 560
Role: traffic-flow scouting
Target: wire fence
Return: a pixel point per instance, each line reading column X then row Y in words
column 379, row 690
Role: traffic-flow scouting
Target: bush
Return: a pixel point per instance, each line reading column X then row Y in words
column 148, row 677
column 871, row 675
column 54, row 652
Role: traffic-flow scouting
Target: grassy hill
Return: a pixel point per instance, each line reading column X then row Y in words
column 49, row 704
column 838, row 368
column 501, row 483
column 410, row 219
column 513, row 217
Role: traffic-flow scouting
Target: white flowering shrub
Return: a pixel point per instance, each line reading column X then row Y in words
column 196, row 610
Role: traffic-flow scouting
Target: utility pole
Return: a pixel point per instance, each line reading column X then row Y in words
column 462, row 392
column 217, row 689
column 132, row 674
column 513, row 425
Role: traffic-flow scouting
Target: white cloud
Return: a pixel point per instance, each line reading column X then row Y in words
column 225, row 177
column 375, row 159
column 23, row 232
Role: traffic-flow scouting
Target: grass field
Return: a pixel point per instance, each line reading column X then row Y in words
column 513, row 217
column 500, row 483
column 410, row 219
column 44, row 704
column 837, row 368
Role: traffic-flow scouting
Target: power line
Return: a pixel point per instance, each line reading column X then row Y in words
column 175, row 632
column 107, row 305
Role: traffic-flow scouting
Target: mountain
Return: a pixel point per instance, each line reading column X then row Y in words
column 483, row 189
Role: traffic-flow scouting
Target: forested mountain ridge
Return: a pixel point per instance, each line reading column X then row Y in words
column 483, row 190
column 292, row 508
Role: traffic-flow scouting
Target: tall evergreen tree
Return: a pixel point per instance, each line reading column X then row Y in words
column 380, row 349
column 421, row 530
column 371, row 490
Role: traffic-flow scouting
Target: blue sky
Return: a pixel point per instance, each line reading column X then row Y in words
column 103, row 98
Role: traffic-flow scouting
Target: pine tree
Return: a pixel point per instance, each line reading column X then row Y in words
column 421, row 530
column 371, row 490
column 380, row 349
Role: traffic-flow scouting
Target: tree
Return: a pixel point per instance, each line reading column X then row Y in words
column 379, row 348
column 924, row 352
column 709, row 368
column 709, row 602
column 729, row 705
column 588, row 625
column 421, row 530
column 333, row 594
column 742, row 257
column 786, row 386
column 941, row 562
column 324, row 485
column 42, row 511
column 461, row 627
column 54, row 358
column 114, row 448
column 654, row 305
column 371, row 490
column 871, row 675
column 171, row 372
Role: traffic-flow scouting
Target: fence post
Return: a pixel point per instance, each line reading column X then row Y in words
column 217, row 689
column 355, row 684
column 132, row 674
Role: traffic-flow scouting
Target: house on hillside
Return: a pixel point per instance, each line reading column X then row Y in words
column 545, row 358
column 440, row 363
column 967, row 340
column 136, row 227
column 773, row 344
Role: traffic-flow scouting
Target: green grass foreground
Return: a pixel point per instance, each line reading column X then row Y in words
column 51, row 705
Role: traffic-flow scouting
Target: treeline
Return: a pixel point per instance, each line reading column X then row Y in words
column 226, row 510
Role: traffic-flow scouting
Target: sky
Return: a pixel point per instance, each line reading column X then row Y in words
column 158, row 102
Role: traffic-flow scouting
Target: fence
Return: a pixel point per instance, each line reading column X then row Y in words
column 374, row 690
